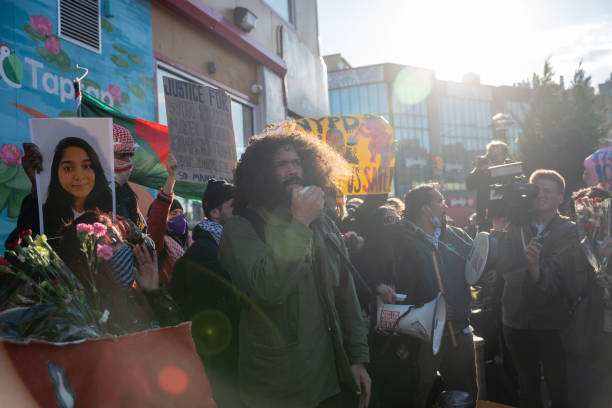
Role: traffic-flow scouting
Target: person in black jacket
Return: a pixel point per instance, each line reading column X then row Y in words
column 537, row 291
column 205, row 295
column 479, row 179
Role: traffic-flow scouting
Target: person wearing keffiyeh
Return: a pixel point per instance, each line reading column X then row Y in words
column 206, row 296
column 124, row 149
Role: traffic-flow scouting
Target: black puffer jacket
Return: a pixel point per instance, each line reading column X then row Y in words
column 206, row 295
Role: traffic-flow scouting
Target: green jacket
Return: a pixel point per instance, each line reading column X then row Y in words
column 301, row 328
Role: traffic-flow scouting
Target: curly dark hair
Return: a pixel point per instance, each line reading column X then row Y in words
column 255, row 177
column 57, row 209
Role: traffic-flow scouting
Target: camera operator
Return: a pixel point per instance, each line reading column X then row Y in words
column 535, row 306
column 479, row 178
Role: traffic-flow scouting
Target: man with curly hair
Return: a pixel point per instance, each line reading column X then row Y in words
column 302, row 338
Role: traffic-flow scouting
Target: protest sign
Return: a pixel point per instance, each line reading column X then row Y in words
column 366, row 142
column 83, row 165
column 598, row 168
column 201, row 131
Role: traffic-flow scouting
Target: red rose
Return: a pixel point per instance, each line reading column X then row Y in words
column 25, row 233
column 13, row 244
column 4, row 262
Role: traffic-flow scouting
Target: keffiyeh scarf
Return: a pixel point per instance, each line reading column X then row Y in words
column 214, row 228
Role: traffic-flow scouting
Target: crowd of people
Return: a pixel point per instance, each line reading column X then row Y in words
column 282, row 279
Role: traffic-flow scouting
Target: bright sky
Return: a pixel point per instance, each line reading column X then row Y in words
column 503, row 41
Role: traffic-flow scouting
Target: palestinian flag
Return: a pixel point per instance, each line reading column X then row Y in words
column 149, row 161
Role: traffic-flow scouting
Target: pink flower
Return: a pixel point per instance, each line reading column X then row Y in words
column 42, row 24
column 11, row 154
column 115, row 92
column 53, row 45
column 104, row 251
column 99, row 229
column 89, row 229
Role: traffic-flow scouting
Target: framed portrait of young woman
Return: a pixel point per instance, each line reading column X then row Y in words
column 77, row 175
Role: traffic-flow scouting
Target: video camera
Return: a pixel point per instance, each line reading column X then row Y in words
column 512, row 196
column 481, row 161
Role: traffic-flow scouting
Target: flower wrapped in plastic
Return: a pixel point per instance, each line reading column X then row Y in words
column 55, row 307
column 593, row 219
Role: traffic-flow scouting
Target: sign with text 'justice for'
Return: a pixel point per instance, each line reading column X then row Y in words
column 200, row 130
column 366, row 142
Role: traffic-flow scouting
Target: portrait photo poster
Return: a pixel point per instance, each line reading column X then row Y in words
column 49, row 132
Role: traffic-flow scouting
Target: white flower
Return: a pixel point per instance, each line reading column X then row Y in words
column 104, row 317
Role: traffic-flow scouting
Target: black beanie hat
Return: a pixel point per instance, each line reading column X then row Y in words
column 217, row 192
column 176, row 204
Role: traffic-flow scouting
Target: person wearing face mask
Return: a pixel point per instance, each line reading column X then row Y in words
column 167, row 225
column 421, row 233
column 124, row 149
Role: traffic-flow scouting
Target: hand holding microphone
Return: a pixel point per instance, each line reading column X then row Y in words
column 307, row 203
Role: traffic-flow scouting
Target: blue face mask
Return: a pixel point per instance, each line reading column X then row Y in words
column 122, row 265
column 436, row 222
column 177, row 225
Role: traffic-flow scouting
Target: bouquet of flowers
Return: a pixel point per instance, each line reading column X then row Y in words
column 593, row 219
column 58, row 308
